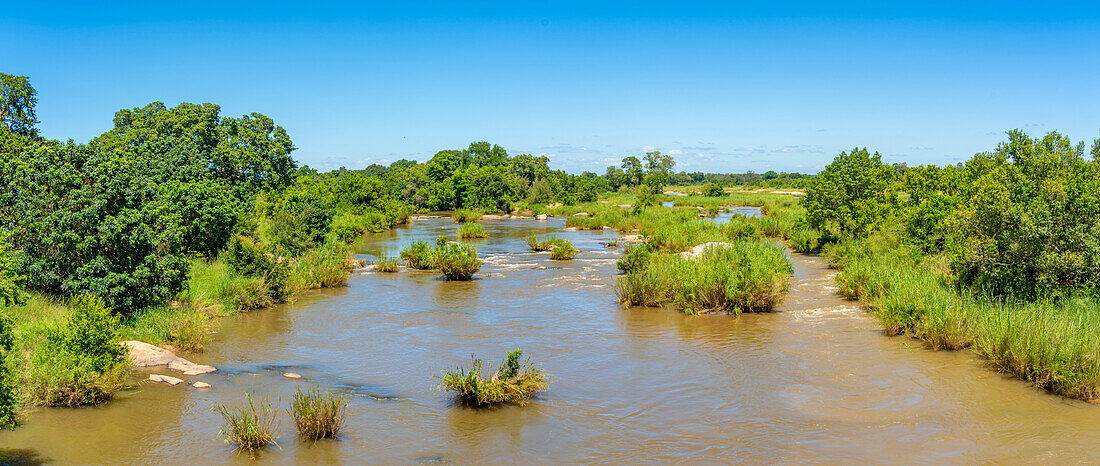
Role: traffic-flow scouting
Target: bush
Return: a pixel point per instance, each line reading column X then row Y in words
column 246, row 257
column 472, row 230
column 713, row 190
column 318, row 415
column 75, row 361
column 456, row 261
column 417, row 255
column 250, row 427
column 636, row 257
column 804, row 240
column 515, row 381
column 9, row 402
column 849, row 197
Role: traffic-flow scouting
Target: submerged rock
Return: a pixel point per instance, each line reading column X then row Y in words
column 697, row 251
column 145, row 355
column 292, row 376
column 165, row 379
column 569, row 229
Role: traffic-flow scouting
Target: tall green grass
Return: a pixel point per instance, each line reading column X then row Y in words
column 1053, row 344
column 747, row 276
column 417, row 255
column 456, row 261
column 467, row 215
column 560, row 248
column 471, row 230
column 250, row 427
column 318, row 415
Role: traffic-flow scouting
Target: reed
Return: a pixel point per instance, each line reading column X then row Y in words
column 318, row 415
column 250, row 427
column 456, row 261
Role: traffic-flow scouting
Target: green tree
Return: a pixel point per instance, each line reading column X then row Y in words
column 88, row 221
column 658, row 170
column 849, row 197
column 632, row 167
column 1031, row 224
column 17, row 102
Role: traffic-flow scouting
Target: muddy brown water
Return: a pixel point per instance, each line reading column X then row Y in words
column 813, row 382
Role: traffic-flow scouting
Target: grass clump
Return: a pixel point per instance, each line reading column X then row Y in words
column 636, row 257
column 747, row 276
column 386, row 264
column 250, row 427
column 470, row 230
column 417, row 255
column 467, row 215
column 560, row 248
column 456, row 261
column 514, row 381
column 318, row 415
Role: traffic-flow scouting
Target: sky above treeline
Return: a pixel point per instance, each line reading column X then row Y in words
column 724, row 87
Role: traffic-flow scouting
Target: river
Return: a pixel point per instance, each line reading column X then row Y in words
column 814, row 381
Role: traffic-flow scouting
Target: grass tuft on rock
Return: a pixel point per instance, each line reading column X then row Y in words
column 250, row 427
column 515, row 381
column 560, row 248
column 318, row 415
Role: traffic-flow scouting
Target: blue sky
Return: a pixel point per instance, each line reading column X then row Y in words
column 723, row 87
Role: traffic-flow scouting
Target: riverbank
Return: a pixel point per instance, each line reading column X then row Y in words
column 805, row 383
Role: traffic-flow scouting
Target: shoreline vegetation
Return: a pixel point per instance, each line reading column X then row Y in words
column 176, row 216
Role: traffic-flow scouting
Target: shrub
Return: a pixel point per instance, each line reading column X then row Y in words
column 456, row 261
column 318, row 415
column 515, row 381
column 636, row 257
column 804, row 240
column 246, row 257
column 417, row 255
column 9, row 402
column 713, row 190
column 75, row 361
column 386, row 264
column 472, row 230
column 250, row 427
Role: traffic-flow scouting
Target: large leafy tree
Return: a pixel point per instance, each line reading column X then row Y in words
column 17, row 102
column 248, row 151
column 849, row 197
column 632, row 167
column 89, row 221
column 1031, row 224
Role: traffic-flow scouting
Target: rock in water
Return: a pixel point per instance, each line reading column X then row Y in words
column 541, row 217
column 200, row 385
column 291, row 375
column 145, row 355
column 165, row 379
